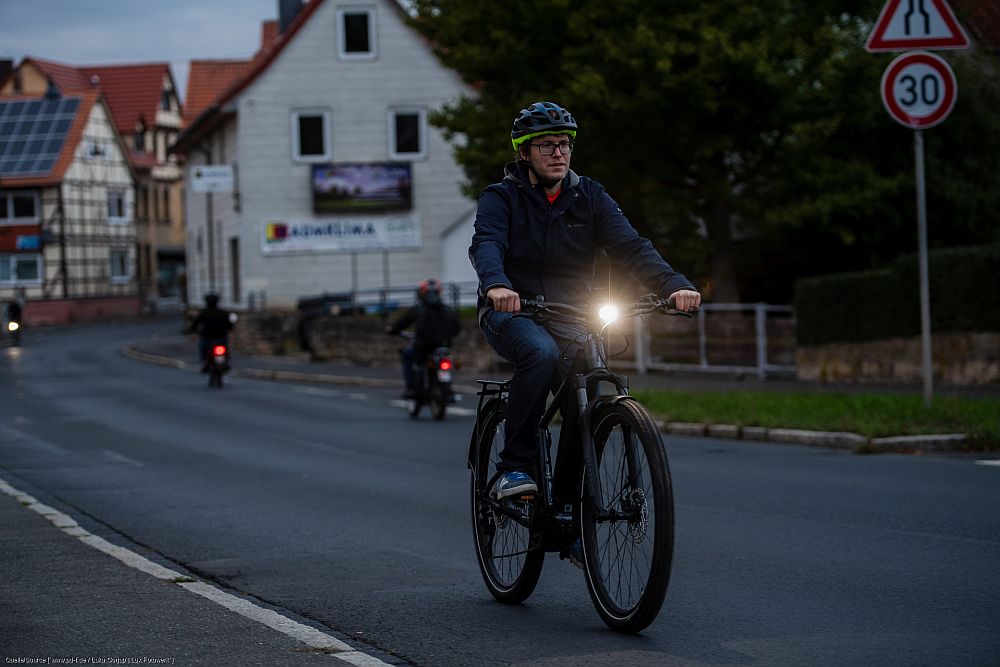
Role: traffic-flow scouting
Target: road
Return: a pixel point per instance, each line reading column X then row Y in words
column 329, row 502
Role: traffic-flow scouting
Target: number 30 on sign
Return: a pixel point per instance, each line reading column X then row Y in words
column 919, row 89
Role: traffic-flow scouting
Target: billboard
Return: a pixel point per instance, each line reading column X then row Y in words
column 361, row 187
column 355, row 233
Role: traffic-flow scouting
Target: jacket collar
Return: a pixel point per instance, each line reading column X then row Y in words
column 517, row 173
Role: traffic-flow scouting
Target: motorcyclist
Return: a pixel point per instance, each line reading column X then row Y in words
column 212, row 324
column 435, row 324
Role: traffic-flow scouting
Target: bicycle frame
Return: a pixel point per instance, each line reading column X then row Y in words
column 585, row 384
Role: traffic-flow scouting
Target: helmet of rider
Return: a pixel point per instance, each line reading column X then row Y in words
column 211, row 300
column 429, row 292
column 541, row 118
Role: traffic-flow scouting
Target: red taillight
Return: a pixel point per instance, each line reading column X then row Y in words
column 219, row 350
column 445, row 365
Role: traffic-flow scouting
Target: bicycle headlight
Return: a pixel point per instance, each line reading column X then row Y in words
column 13, row 326
column 608, row 313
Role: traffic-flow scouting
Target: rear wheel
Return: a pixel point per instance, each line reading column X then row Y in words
column 438, row 401
column 509, row 568
column 628, row 542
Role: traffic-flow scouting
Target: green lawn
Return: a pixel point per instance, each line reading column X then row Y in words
column 873, row 415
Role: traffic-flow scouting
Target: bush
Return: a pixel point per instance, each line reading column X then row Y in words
column 885, row 303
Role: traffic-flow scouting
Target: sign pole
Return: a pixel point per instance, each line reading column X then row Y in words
column 925, row 301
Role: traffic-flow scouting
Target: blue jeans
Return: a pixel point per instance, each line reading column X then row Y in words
column 541, row 356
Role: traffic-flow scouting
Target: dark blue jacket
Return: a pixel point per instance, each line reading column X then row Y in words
column 525, row 244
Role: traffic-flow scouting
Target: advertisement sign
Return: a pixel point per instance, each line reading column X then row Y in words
column 340, row 235
column 361, row 187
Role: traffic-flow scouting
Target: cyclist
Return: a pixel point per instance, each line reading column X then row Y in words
column 212, row 324
column 436, row 324
column 537, row 233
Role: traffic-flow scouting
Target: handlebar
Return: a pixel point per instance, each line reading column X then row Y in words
column 645, row 304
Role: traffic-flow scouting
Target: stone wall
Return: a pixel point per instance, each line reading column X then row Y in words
column 960, row 359
column 361, row 340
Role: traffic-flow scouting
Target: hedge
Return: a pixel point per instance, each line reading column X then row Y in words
column 885, row 303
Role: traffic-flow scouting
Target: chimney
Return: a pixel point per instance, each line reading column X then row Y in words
column 268, row 35
column 287, row 11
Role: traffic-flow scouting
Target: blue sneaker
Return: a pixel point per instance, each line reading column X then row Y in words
column 574, row 554
column 512, row 483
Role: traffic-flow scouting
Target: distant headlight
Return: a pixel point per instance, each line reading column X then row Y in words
column 608, row 313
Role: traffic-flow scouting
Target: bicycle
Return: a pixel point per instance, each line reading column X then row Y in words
column 624, row 509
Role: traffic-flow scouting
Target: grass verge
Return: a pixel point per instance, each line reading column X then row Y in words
column 872, row 415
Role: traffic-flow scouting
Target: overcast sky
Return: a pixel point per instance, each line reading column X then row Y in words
column 105, row 32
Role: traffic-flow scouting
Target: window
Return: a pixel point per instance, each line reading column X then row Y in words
column 165, row 100
column 116, row 206
column 20, row 269
column 18, row 207
column 119, row 266
column 311, row 136
column 358, row 37
column 139, row 141
column 407, row 134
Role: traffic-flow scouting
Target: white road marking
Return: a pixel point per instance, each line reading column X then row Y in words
column 316, row 391
column 989, row 462
column 307, row 635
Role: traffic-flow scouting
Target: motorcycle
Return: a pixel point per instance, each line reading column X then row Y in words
column 432, row 384
column 218, row 364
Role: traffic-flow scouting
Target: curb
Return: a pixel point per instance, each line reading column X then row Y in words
column 854, row 442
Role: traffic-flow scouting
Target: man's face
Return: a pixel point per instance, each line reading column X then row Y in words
column 550, row 169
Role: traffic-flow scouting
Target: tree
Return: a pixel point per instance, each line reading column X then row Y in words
column 747, row 140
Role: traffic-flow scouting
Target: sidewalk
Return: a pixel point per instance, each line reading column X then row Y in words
column 180, row 352
column 65, row 601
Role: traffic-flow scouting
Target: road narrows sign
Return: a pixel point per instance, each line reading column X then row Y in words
column 919, row 89
column 916, row 24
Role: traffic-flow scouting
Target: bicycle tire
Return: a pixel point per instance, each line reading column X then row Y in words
column 628, row 561
column 512, row 574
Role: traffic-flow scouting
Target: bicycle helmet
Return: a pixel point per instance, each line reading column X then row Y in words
column 211, row 300
column 429, row 291
column 541, row 118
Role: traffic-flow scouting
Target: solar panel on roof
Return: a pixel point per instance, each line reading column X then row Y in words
column 32, row 134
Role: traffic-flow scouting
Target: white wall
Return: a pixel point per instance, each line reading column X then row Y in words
column 309, row 74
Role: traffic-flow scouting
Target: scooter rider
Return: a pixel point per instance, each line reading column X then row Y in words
column 435, row 325
column 212, row 324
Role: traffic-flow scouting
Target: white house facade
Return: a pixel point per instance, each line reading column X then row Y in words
column 338, row 182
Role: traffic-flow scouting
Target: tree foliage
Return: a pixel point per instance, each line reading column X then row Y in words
column 747, row 140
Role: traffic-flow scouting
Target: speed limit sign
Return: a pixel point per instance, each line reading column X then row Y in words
column 918, row 89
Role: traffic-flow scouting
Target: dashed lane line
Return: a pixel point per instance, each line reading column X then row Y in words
column 309, row 636
column 989, row 462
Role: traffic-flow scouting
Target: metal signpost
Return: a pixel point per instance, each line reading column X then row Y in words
column 919, row 90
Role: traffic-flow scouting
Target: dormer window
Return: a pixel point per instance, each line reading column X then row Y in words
column 357, row 34
column 139, row 140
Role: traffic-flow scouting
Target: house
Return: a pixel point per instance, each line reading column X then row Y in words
column 316, row 170
column 67, row 235
column 146, row 111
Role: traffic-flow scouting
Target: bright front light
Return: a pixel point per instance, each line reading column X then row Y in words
column 13, row 326
column 608, row 313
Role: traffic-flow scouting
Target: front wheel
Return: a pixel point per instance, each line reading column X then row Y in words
column 628, row 534
column 509, row 566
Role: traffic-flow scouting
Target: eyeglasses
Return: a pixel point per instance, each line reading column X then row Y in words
column 547, row 148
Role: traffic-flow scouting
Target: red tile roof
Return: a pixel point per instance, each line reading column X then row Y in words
column 207, row 79
column 133, row 92
column 66, row 77
column 88, row 99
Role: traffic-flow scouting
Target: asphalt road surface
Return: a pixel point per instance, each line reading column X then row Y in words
column 329, row 502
